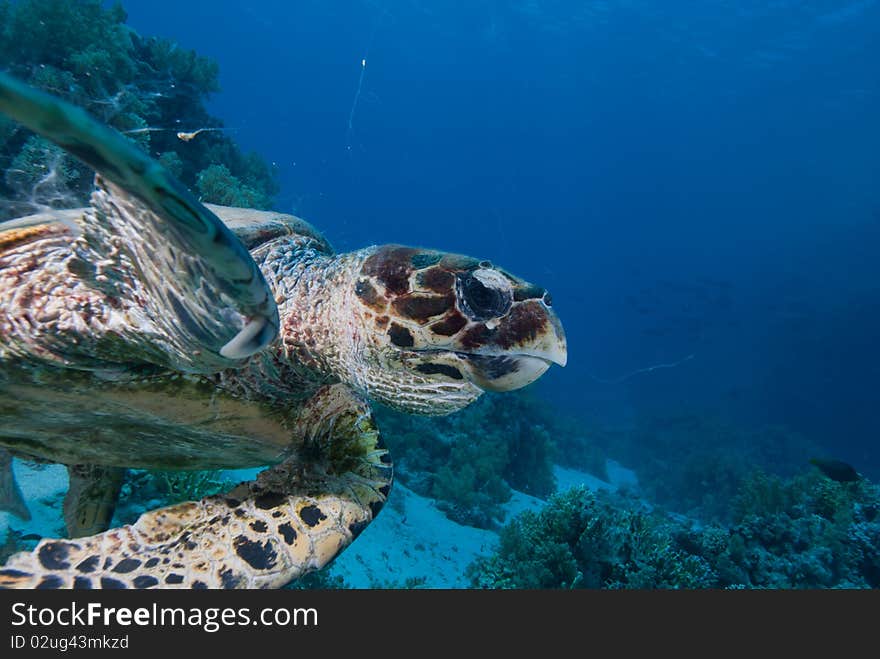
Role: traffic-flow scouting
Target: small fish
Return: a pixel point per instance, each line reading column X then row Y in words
column 836, row 470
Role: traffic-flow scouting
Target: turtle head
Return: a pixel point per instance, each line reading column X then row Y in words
column 436, row 329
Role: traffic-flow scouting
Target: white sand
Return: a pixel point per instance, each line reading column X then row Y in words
column 421, row 543
column 43, row 489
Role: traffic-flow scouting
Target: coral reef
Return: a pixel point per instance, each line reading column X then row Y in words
column 583, row 539
column 148, row 88
column 217, row 184
column 470, row 460
column 42, row 171
column 808, row 531
column 179, row 486
column 804, row 532
column 691, row 462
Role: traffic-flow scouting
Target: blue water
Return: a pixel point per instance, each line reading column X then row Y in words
column 692, row 181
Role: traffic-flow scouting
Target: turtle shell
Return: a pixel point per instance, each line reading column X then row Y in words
column 255, row 227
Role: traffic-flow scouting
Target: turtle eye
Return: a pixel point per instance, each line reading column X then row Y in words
column 484, row 294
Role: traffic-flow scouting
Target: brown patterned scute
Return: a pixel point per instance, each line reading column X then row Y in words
column 528, row 292
column 525, row 322
column 391, row 265
column 477, row 337
column 451, row 324
column 368, row 294
column 459, row 262
column 523, row 325
column 421, row 308
column 400, row 336
column 436, row 279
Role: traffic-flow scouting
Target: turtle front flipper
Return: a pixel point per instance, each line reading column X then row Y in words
column 293, row 519
column 11, row 499
column 91, row 498
column 146, row 237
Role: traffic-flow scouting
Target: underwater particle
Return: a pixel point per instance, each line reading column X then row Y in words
column 357, row 95
column 836, row 470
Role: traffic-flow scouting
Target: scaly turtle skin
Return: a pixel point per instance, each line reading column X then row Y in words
column 151, row 331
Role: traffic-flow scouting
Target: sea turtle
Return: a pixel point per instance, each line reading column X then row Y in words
column 152, row 331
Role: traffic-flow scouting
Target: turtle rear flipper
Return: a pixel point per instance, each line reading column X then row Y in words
column 195, row 278
column 11, row 499
column 293, row 519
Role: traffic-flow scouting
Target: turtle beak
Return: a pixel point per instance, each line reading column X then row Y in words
column 524, row 345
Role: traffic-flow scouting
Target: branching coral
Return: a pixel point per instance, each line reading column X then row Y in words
column 149, row 489
column 217, row 185
column 470, row 488
column 178, row 486
column 583, row 540
column 43, row 174
column 471, row 459
column 806, row 532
